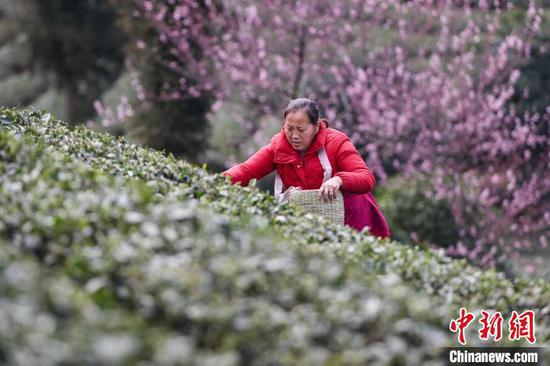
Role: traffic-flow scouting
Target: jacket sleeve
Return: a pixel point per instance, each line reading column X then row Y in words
column 355, row 174
column 257, row 166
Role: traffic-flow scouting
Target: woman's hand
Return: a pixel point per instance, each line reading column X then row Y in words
column 330, row 188
column 286, row 194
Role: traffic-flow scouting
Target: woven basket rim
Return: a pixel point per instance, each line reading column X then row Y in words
column 332, row 210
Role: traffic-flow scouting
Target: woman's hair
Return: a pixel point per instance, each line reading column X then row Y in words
column 307, row 105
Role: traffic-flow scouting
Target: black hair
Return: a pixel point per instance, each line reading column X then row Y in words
column 303, row 104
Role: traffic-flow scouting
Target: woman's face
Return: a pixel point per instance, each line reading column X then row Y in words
column 299, row 131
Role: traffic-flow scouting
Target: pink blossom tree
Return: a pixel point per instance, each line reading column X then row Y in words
column 422, row 87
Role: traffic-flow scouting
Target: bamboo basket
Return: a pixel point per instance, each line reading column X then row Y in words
column 308, row 200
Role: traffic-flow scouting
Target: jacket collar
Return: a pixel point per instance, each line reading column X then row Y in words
column 285, row 153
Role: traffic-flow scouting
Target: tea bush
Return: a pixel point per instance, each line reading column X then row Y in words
column 112, row 253
column 411, row 212
column 96, row 268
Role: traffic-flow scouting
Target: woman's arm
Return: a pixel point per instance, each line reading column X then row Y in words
column 355, row 174
column 257, row 166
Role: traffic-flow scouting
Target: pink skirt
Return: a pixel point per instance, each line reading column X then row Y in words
column 361, row 210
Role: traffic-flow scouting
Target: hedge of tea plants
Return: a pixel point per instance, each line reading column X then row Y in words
column 97, row 268
column 113, row 253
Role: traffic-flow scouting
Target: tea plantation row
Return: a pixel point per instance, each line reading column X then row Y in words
column 114, row 253
column 96, row 268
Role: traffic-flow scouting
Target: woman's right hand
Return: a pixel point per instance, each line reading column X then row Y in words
column 286, row 194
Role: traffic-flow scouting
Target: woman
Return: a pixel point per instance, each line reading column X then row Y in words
column 309, row 155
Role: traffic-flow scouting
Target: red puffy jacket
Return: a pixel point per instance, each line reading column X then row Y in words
column 306, row 171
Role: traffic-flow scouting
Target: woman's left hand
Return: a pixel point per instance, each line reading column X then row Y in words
column 329, row 189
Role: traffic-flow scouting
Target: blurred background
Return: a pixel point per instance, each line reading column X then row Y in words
column 447, row 101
